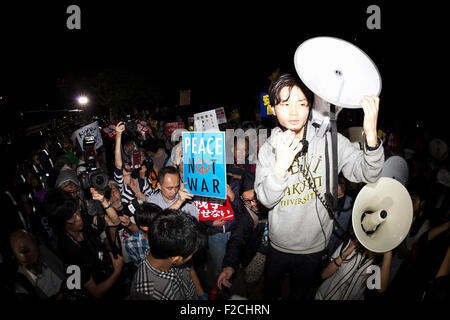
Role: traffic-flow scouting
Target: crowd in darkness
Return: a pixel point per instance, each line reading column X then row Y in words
column 139, row 236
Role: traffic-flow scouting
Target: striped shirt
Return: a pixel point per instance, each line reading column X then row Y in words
column 145, row 186
column 175, row 284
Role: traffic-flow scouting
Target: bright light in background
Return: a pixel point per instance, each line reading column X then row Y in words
column 83, row 100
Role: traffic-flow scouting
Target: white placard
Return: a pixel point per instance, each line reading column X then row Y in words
column 205, row 121
column 90, row 129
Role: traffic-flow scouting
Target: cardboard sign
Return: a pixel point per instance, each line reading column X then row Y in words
column 265, row 107
column 91, row 129
column 220, row 115
column 213, row 209
column 172, row 126
column 204, row 162
column 207, row 120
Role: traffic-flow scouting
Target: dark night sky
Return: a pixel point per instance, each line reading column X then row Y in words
column 223, row 52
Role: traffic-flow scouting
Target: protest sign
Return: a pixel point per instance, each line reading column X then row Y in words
column 110, row 130
column 265, row 107
column 143, row 127
column 172, row 126
column 234, row 114
column 91, row 129
column 204, row 163
column 214, row 209
column 207, row 120
column 220, row 115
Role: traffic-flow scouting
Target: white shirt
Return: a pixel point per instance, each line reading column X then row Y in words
column 349, row 281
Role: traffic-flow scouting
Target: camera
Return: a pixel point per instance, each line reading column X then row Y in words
column 148, row 165
column 92, row 177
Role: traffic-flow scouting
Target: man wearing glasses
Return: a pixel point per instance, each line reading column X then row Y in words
column 248, row 242
column 79, row 241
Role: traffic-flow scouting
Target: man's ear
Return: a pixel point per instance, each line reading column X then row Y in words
column 158, row 185
column 273, row 111
column 175, row 259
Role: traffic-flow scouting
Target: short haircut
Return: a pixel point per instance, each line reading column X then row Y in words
column 290, row 81
column 173, row 233
column 59, row 206
column 145, row 213
column 247, row 182
column 167, row 170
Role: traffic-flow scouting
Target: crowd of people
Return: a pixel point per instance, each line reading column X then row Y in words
column 83, row 226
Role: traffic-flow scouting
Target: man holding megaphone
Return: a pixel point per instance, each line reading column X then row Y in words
column 291, row 175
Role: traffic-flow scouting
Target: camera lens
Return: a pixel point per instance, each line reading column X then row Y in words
column 99, row 181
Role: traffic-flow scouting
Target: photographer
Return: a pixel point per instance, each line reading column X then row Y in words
column 130, row 185
column 80, row 244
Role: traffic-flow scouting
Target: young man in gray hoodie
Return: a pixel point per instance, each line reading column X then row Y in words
column 299, row 224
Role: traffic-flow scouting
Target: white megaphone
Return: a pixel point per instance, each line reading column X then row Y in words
column 382, row 215
column 337, row 71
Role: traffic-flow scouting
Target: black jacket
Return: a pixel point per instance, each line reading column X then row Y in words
column 245, row 240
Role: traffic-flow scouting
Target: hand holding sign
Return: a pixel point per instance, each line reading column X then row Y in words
column 219, row 222
column 183, row 195
column 204, row 163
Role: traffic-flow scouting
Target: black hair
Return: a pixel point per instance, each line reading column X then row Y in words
column 128, row 137
column 59, row 206
column 247, row 182
column 418, row 186
column 290, row 81
column 146, row 213
column 173, row 233
column 151, row 145
column 167, row 170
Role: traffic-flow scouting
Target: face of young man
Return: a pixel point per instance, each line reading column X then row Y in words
column 169, row 187
column 75, row 223
column 250, row 200
column 292, row 111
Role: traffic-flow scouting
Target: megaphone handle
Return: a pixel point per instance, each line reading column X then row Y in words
column 333, row 121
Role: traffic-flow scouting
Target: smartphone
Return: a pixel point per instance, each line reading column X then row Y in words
column 136, row 159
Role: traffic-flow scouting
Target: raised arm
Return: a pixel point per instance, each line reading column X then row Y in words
column 120, row 128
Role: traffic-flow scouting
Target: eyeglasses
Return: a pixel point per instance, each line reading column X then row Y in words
column 249, row 201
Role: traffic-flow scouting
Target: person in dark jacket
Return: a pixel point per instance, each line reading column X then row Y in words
column 248, row 241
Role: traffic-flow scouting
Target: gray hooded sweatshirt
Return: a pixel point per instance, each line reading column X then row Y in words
column 294, row 209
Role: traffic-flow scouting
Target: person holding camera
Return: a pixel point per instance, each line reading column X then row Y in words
column 130, row 187
column 80, row 244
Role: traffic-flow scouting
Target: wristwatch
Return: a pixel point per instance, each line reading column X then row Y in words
column 109, row 205
column 373, row 148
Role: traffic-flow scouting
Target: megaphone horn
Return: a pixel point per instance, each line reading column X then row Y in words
column 382, row 215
